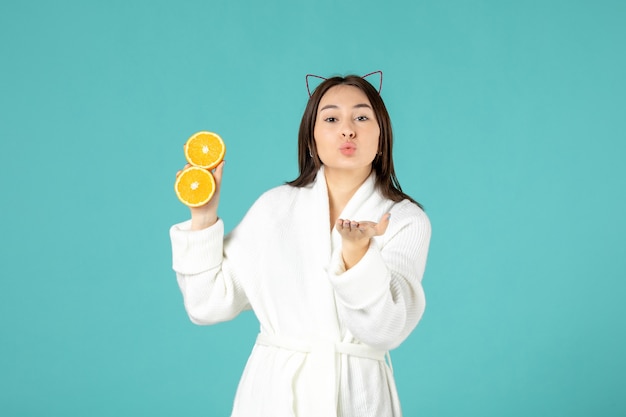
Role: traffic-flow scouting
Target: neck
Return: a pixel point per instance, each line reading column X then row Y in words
column 341, row 187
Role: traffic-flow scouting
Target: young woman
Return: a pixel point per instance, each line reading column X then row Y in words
column 331, row 263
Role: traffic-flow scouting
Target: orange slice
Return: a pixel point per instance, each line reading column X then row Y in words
column 195, row 186
column 205, row 150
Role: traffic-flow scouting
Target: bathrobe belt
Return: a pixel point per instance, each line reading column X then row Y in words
column 324, row 367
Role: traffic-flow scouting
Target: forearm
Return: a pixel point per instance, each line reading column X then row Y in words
column 202, row 221
column 202, row 217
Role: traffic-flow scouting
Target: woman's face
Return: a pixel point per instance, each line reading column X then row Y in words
column 346, row 132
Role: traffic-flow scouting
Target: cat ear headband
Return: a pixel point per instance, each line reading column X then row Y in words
column 380, row 85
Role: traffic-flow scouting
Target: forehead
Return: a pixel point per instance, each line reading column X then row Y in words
column 344, row 95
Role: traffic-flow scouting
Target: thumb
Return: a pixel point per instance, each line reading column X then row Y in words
column 217, row 173
column 381, row 227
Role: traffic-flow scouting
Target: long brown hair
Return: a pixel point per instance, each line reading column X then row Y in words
column 308, row 159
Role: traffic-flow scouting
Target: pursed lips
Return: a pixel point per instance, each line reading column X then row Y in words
column 347, row 148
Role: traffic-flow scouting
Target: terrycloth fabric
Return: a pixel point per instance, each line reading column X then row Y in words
column 324, row 330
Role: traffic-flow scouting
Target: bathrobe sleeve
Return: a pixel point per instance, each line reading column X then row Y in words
column 219, row 275
column 380, row 299
column 211, row 291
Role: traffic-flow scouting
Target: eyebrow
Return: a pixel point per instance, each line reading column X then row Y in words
column 334, row 106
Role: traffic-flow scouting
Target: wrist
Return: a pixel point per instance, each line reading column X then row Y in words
column 202, row 221
column 352, row 252
column 360, row 245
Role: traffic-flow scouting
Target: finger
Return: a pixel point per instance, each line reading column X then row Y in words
column 364, row 225
column 344, row 225
column 381, row 227
column 181, row 171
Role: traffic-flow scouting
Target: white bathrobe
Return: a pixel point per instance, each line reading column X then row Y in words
column 325, row 331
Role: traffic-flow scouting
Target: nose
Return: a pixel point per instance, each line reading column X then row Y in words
column 347, row 131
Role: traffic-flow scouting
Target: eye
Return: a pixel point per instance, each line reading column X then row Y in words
column 362, row 118
column 330, row 119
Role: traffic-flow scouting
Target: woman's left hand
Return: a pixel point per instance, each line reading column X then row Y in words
column 356, row 237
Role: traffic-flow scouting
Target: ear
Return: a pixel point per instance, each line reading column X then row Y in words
column 380, row 84
column 308, row 88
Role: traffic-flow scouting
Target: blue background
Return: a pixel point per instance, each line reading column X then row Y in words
column 510, row 128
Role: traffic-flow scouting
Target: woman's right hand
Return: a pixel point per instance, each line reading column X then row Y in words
column 206, row 215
